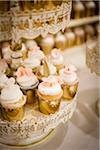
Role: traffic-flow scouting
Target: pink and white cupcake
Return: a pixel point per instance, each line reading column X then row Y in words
column 30, row 44
column 56, row 59
column 36, row 53
column 49, row 93
column 70, row 82
column 60, row 41
column 31, row 63
column 12, row 101
column 27, row 82
column 47, row 44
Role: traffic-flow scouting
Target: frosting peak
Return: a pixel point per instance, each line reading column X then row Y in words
column 56, row 57
column 31, row 63
column 11, row 93
column 49, row 86
column 30, row 44
column 26, row 78
column 68, row 76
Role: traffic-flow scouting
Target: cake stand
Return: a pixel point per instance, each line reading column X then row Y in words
column 35, row 126
column 16, row 24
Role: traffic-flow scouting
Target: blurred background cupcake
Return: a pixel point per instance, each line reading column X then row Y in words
column 60, row 41
column 70, row 38
column 78, row 9
column 47, row 44
column 89, row 32
column 80, row 35
column 90, row 8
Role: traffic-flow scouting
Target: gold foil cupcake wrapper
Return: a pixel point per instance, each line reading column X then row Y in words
column 69, row 91
column 49, row 107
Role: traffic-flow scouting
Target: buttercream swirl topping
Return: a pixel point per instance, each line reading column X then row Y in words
column 11, row 93
column 56, row 57
column 36, row 53
column 31, row 63
column 68, row 76
column 25, row 77
column 49, row 86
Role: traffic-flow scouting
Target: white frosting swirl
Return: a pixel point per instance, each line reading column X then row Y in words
column 68, row 76
column 26, row 81
column 30, row 44
column 31, row 63
column 16, row 54
column 10, row 94
column 56, row 57
column 3, row 80
column 49, row 40
column 60, row 37
column 49, row 87
column 25, row 78
column 37, row 54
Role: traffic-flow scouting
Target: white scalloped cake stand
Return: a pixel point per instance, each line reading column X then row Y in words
column 35, row 125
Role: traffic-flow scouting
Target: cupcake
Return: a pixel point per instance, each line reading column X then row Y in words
column 56, row 59
column 3, row 66
column 70, row 82
column 49, row 93
column 31, row 63
column 36, row 53
column 6, row 52
column 47, row 44
column 46, row 69
column 60, row 41
column 30, row 44
column 27, row 82
column 17, row 56
column 80, row 36
column 90, row 8
column 12, row 101
column 89, row 32
column 70, row 38
column 3, row 80
column 78, row 10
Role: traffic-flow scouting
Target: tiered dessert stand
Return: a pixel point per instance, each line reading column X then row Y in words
column 21, row 22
